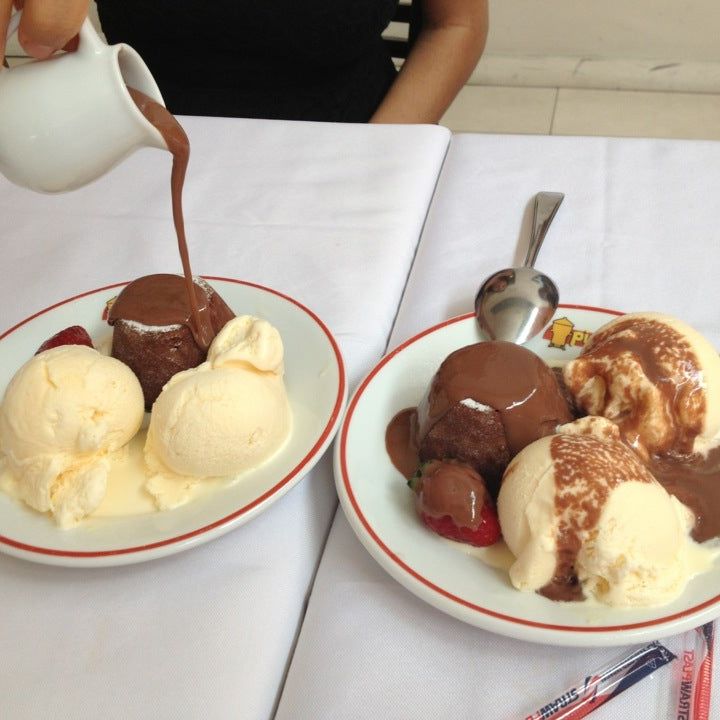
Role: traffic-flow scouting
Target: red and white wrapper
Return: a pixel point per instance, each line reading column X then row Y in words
column 606, row 683
column 696, row 662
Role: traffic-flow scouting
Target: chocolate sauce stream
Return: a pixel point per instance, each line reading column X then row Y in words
column 179, row 146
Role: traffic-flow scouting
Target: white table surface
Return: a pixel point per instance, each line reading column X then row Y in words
column 329, row 214
column 637, row 231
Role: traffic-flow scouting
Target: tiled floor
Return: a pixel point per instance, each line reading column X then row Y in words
column 564, row 111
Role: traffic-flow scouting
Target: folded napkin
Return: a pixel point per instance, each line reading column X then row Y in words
column 637, row 231
column 329, row 214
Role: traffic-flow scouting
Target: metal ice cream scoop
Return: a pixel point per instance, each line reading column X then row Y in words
column 515, row 304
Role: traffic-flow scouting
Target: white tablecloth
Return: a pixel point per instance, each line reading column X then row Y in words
column 329, row 214
column 637, row 230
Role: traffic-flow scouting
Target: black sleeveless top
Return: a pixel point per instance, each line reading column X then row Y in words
column 289, row 59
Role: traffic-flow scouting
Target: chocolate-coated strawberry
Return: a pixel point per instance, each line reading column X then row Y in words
column 74, row 335
column 452, row 500
column 486, row 533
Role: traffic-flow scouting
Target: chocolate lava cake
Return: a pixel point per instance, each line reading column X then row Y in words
column 486, row 403
column 157, row 333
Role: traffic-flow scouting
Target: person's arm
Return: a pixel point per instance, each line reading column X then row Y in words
column 46, row 25
column 445, row 53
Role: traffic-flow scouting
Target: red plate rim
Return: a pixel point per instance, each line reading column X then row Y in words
column 425, row 581
column 237, row 513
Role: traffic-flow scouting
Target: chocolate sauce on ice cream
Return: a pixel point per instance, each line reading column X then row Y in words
column 586, row 470
column 663, row 411
column 644, row 374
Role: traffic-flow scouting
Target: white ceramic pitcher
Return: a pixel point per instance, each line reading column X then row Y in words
column 67, row 120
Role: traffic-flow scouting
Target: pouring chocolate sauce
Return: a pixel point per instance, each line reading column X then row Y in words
column 179, row 146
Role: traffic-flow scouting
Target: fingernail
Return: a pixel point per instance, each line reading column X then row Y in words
column 38, row 51
column 34, row 49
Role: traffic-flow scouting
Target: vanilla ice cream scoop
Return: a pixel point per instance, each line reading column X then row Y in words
column 226, row 416
column 656, row 377
column 248, row 342
column 64, row 412
column 585, row 518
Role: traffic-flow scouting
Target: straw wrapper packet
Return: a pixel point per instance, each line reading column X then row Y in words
column 684, row 692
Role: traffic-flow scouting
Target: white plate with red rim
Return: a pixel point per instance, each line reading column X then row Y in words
column 317, row 390
column 380, row 508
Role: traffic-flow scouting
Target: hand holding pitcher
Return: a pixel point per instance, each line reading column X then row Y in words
column 47, row 26
column 68, row 119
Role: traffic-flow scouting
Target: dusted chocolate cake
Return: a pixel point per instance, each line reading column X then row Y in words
column 485, row 403
column 472, row 433
column 157, row 333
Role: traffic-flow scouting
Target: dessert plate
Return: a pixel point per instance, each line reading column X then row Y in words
column 450, row 576
column 317, row 391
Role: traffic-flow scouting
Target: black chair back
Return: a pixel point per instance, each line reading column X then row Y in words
column 409, row 14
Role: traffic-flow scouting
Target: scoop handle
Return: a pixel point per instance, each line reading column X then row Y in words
column 546, row 205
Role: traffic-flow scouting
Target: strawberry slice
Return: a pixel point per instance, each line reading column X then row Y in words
column 74, row 335
column 487, row 533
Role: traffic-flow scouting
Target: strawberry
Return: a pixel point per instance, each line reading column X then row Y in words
column 487, row 533
column 74, row 335
column 449, row 494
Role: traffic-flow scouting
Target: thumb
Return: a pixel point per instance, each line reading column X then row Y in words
column 47, row 25
column 5, row 9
